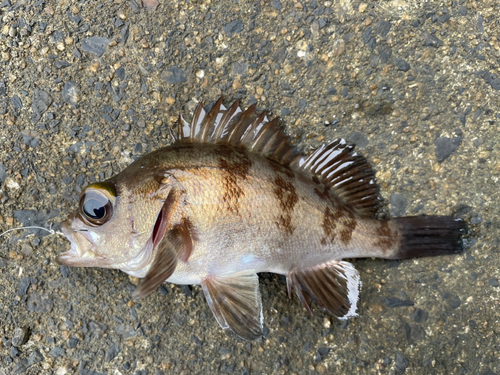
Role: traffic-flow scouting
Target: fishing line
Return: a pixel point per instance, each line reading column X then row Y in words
column 50, row 230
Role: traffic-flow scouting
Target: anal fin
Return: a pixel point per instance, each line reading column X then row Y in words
column 236, row 303
column 334, row 286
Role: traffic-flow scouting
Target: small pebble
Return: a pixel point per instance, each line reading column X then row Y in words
column 21, row 335
column 494, row 282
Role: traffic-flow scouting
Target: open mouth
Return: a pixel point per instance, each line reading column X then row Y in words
column 81, row 240
column 81, row 252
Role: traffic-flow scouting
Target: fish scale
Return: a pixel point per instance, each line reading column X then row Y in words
column 231, row 198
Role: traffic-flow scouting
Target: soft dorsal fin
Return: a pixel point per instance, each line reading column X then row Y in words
column 337, row 166
column 238, row 128
column 348, row 175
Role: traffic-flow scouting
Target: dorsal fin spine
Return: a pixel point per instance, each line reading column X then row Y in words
column 247, row 138
column 226, row 118
column 235, row 133
column 276, row 135
column 210, row 120
column 184, row 126
column 270, row 147
column 197, row 128
column 234, row 111
column 280, row 146
column 261, row 134
column 258, row 124
column 247, row 118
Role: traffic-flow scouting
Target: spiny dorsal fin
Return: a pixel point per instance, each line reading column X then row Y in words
column 337, row 166
column 238, row 128
column 348, row 175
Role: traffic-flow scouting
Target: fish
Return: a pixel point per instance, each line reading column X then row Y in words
column 231, row 197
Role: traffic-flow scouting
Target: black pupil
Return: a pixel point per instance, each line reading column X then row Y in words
column 94, row 209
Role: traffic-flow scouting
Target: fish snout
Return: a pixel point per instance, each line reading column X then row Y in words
column 66, row 229
column 82, row 244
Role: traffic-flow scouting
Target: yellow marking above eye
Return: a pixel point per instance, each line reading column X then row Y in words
column 102, row 186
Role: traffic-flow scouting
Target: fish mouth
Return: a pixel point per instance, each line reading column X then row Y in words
column 82, row 251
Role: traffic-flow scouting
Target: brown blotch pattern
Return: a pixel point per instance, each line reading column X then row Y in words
column 336, row 203
column 280, row 168
column 183, row 236
column 385, row 238
column 287, row 199
column 321, row 194
column 329, row 224
column 235, row 165
column 344, row 218
column 349, row 221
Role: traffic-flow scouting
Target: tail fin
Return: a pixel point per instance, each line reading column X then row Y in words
column 423, row 236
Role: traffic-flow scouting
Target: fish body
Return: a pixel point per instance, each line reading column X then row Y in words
column 232, row 198
column 268, row 216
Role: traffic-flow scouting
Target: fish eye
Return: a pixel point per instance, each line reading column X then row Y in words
column 94, row 208
column 96, row 203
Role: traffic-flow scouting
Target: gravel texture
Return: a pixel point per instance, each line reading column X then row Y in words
column 86, row 87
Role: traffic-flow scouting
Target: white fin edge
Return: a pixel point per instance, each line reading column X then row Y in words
column 354, row 285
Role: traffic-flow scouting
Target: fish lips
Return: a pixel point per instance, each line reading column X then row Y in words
column 82, row 252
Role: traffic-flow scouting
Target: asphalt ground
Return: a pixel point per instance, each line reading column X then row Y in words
column 86, row 87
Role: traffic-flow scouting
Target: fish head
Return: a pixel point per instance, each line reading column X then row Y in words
column 116, row 224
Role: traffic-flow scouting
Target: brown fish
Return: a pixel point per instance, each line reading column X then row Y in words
column 231, row 198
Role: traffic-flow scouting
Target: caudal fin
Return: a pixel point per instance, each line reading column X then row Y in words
column 423, row 236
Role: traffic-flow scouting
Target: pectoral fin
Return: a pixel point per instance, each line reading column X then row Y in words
column 176, row 244
column 162, row 268
column 236, row 303
column 334, row 286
